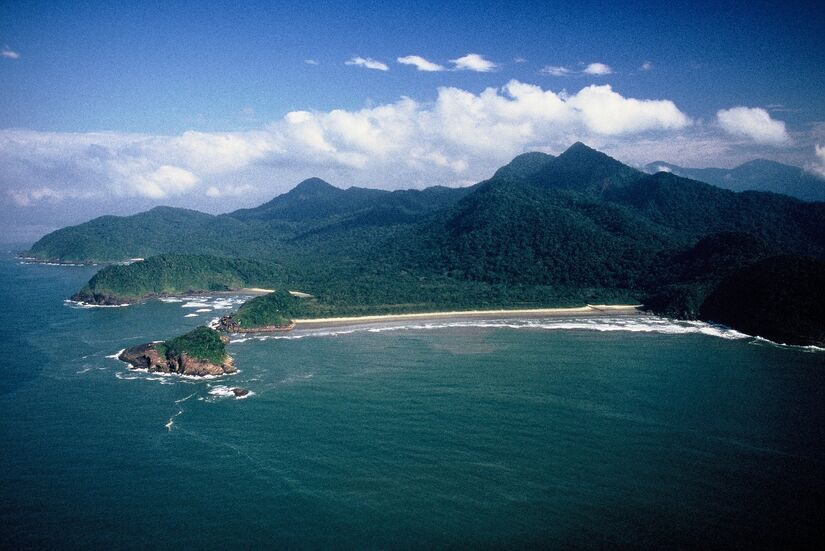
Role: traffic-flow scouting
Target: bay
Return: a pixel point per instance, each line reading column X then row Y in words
column 637, row 433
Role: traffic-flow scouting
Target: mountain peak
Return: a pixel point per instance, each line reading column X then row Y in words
column 579, row 150
column 314, row 186
column 582, row 168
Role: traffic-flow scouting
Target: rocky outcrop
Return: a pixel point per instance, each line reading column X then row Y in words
column 146, row 356
column 99, row 299
column 229, row 324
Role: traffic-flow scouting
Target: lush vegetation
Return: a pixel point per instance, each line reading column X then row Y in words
column 202, row 343
column 545, row 231
column 174, row 274
column 278, row 308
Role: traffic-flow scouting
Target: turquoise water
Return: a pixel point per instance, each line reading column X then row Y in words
column 542, row 433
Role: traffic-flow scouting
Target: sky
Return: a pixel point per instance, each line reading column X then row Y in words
column 112, row 108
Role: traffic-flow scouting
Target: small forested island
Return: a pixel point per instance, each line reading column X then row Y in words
column 544, row 231
column 198, row 353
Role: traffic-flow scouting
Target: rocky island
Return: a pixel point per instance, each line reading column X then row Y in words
column 198, row 353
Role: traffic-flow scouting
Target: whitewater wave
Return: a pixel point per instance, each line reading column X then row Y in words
column 198, row 304
column 191, row 315
column 799, row 347
column 222, row 391
column 53, row 263
column 641, row 324
column 85, row 305
column 116, row 355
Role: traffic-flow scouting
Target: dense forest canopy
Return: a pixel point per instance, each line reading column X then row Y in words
column 543, row 231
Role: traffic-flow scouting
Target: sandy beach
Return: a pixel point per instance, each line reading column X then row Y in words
column 588, row 310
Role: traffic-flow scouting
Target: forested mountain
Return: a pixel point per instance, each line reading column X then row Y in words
column 756, row 175
column 543, row 230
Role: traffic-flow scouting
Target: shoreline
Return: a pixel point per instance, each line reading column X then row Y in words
column 590, row 310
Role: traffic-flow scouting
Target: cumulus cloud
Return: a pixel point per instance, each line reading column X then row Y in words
column 474, row 62
column 367, row 63
column 420, row 63
column 460, row 137
column 8, row 53
column 753, row 123
column 646, row 66
column 311, row 62
column 597, row 69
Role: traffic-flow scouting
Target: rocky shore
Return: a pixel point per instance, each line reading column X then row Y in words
column 228, row 324
column 146, row 356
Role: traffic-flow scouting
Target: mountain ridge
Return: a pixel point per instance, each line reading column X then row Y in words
column 754, row 175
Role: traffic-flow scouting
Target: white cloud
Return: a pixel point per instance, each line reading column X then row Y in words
column 753, row 123
column 310, row 62
column 646, row 66
column 368, row 63
column 166, row 180
column 420, row 63
column 519, row 60
column 460, row 137
column 474, row 62
column 593, row 69
column 607, row 112
column 597, row 69
column 818, row 167
column 556, row 71
column 8, row 53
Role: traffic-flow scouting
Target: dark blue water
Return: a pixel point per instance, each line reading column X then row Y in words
column 632, row 433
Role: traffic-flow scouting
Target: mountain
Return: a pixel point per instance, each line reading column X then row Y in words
column 312, row 207
column 585, row 170
column 756, row 175
column 523, row 166
column 580, row 227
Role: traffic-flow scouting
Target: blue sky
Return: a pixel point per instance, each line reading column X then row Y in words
column 219, row 105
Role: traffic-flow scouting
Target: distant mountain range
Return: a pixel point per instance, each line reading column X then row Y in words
column 756, row 175
column 543, row 231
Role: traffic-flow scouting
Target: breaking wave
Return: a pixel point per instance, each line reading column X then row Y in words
column 222, row 391
column 641, row 324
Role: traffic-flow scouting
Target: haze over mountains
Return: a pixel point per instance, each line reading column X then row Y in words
column 755, row 175
column 544, row 230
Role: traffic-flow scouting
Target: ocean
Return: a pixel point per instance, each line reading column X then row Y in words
column 587, row 433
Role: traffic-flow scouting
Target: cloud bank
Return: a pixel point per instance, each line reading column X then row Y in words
column 459, row 138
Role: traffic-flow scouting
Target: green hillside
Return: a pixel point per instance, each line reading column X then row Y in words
column 174, row 274
column 580, row 227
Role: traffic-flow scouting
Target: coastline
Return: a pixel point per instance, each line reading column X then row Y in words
column 590, row 310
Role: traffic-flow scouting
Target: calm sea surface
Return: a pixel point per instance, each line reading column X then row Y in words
column 530, row 433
